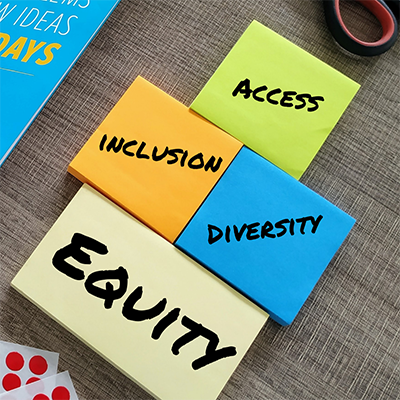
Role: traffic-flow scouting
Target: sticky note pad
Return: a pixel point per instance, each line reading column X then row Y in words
column 155, row 158
column 154, row 313
column 266, row 234
column 276, row 98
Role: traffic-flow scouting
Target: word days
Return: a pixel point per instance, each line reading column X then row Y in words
column 23, row 49
column 109, row 294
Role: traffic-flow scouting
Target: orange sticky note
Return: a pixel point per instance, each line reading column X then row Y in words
column 155, row 158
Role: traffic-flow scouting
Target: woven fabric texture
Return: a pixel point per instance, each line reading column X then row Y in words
column 344, row 344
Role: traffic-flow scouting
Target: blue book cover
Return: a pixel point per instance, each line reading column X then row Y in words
column 266, row 234
column 40, row 40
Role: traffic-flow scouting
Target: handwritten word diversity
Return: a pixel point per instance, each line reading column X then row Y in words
column 257, row 231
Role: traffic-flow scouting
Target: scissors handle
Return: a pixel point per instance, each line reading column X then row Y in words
column 348, row 41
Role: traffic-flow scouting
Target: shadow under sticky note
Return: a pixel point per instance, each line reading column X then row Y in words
column 276, row 98
column 159, row 317
column 155, row 158
column 266, row 234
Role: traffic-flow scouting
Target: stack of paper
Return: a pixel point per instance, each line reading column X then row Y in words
column 266, row 234
column 276, row 98
column 159, row 317
column 155, row 158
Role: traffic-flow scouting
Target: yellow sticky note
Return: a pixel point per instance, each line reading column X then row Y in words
column 155, row 158
column 155, row 314
column 276, row 98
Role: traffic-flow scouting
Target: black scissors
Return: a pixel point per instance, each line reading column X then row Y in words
column 387, row 13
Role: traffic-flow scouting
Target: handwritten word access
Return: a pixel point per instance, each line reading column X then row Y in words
column 275, row 96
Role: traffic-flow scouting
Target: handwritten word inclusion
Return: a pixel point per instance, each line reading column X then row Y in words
column 172, row 156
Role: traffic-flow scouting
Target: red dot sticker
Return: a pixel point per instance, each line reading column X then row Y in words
column 15, row 361
column 38, row 365
column 37, row 387
column 11, row 381
column 60, row 393
column 40, row 396
column 31, row 380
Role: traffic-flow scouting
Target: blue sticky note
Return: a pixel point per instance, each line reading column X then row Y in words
column 266, row 234
column 40, row 40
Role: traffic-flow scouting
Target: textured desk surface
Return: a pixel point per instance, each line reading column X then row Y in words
column 344, row 344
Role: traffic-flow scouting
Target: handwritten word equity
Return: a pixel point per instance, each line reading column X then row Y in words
column 172, row 156
column 255, row 230
column 110, row 294
column 277, row 96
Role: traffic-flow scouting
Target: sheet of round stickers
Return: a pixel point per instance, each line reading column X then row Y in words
column 21, row 365
column 55, row 387
column 27, row 373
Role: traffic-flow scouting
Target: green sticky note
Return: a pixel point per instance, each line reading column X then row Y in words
column 276, row 98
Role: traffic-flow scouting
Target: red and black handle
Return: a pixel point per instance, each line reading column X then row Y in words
column 387, row 12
